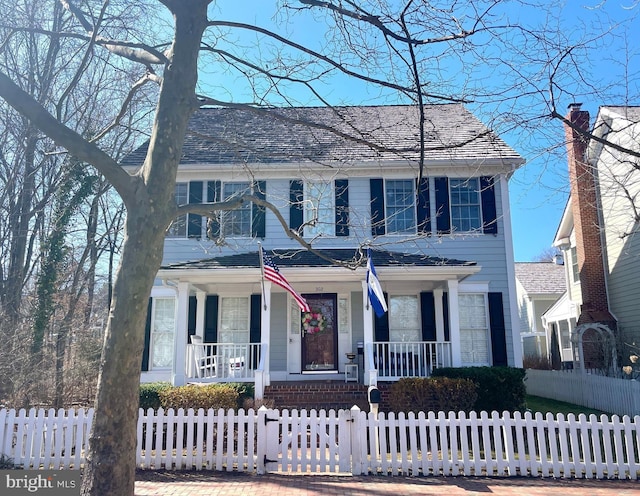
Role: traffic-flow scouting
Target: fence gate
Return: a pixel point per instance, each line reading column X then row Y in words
column 301, row 441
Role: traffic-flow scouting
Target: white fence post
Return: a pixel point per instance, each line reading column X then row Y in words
column 358, row 439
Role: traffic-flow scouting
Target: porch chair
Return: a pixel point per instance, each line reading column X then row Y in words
column 205, row 365
column 236, row 366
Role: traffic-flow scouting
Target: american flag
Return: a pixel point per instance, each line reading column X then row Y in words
column 272, row 273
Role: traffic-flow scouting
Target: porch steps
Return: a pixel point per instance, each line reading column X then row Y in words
column 317, row 395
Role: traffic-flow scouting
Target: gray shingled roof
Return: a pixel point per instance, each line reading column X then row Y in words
column 541, row 277
column 303, row 258
column 628, row 112
column 364, row 133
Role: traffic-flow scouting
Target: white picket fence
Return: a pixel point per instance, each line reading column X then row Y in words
column 347, row 441
column 609, row 394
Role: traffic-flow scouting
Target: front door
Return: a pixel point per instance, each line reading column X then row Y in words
column 320, row 334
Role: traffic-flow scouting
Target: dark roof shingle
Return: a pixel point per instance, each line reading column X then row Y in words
column 344, row 134
column 303, row 258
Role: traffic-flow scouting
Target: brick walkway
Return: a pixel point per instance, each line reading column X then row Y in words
column 236, row 484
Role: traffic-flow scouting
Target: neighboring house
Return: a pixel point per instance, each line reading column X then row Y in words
column 598, row 232
column 538, row 287
column 345, row 179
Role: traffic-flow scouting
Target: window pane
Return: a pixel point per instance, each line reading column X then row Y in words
column 319, row 209
column 236, row 222
column 178, row 228
column 234, row 320
column 474, row 331
column 400, row 206
column 162, row 332
column 465, row 205
column 404, row 323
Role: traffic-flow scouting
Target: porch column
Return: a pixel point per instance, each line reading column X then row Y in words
column 367, row 316
column 201, row 301
column 180, row 341
column 454, row 323
column 265, row 334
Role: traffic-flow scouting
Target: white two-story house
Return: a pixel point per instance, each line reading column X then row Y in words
column 344, row 178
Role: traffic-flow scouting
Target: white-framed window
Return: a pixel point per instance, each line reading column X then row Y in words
column 466, row 210
column 404, row 318
column 163, row 328
column 474, row 329
column 237, row 222
column 234, row 320
column 178, row 228
column 575, row 273
column 319, row 208
column 400, row 212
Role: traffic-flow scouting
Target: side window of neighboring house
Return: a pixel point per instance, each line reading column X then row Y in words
column 575, row 275
column 466, row 213
column 404, row 319
column 474, row 329
column 163, row 327
column 178, row 228
column 236, row 223
column 319, row 208
column 400, row 203
column 234, row 320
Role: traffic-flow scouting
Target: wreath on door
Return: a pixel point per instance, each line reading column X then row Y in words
column 313, row 323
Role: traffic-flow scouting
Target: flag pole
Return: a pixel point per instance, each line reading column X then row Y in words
column 264, row 300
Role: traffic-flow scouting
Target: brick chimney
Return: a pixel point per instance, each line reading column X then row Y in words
column 586, row 222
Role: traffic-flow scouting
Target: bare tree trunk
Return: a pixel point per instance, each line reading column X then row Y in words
column 111, row 461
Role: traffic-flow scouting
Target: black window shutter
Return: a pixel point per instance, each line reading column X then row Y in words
column 194, row 225
column 211, row 319
column 376, row 187
column 296, row 208
column 381, row 325
column 191, row 321
column 443, row 214
column 342, row 207
column 428, row 316
column 488, row 197
column 254, row 325
column 445, row 312
column 147, row 337
column 498, row 332
column 258, row 226
column 213, row 195
column 423, row 207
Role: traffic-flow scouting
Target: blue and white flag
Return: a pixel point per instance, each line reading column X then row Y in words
column 376, row 296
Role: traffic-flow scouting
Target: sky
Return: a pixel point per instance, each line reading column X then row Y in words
column 538, row 190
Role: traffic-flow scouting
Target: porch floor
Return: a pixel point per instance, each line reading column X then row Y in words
column 317, row 395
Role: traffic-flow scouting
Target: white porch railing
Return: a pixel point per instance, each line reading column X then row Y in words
column 223, row 361
column 395, row 359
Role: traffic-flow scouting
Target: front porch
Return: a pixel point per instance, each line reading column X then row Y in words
column 385, row 361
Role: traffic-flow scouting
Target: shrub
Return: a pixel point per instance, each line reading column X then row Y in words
column 426, row 394
column 499, row 388
column 245, row 392
column 194, row 396
column 150, row 394
column 536, row 362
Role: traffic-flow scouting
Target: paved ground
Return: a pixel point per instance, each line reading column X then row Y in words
column 235, row 484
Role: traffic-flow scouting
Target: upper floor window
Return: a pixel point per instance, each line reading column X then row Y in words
column 178, row 228
column 400, row 206
column 575, row 273
column 237, row 222
column 319, row 209
column 465, row 205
